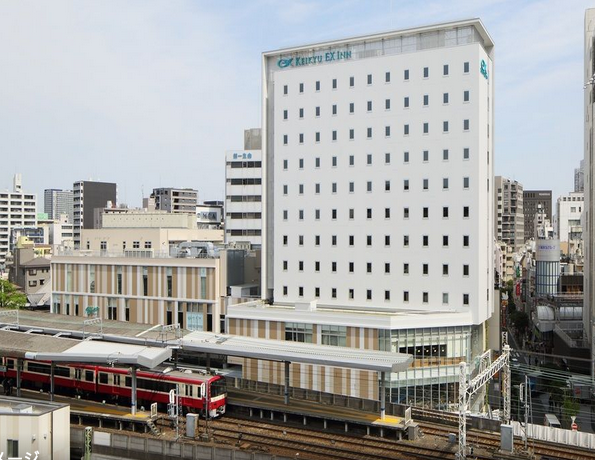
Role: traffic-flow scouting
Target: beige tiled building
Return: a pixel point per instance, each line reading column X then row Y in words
column 438, row 343
column 164, row 290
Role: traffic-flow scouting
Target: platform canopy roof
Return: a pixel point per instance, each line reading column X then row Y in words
column 280, row 350
column 46, row 348
column 112, row 336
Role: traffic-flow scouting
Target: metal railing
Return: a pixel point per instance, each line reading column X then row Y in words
column 129, row 253
column 573, row 333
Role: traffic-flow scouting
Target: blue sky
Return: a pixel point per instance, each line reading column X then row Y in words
column 152, row 93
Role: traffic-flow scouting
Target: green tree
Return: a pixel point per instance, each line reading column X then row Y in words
column 570, row 408
column 10, row 297
column 520, row 320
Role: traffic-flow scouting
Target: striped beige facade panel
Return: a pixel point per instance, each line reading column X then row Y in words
column 294, row 375
column 176, row 275
column 152, row 276
column 337, row 380
column 374, row 340
column 348, row 382
column 232, row 326
column 189, row 279
column 150, row 309
column 364, row 383
column 253, row 369
column 347, row 375
column 109, row 275
column 75, row 278
column 274, row 330
column 351, row 338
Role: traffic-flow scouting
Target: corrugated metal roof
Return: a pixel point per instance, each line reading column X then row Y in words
column 16, row 344
column 47, row 348
column 280, row 350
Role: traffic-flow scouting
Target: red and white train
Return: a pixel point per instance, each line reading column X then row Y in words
column 109, row 383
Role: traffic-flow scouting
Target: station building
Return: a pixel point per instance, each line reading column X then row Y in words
column 150, row 290
column 30, row 427
column 378, row 205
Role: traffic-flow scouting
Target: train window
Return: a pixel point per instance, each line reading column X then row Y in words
column 103, row 378
column 10, row 363
column 77, row 374
column 128, row 382
column 218, row 388
column 38, row 368
column 61, row 371
column 155, row 385
column 189, row 390
column 116, row 380
column 89, row 376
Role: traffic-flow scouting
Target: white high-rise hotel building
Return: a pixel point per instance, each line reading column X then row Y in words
column 378, row 171
column 378, row 198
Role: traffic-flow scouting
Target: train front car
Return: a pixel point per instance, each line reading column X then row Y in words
column 217, row 396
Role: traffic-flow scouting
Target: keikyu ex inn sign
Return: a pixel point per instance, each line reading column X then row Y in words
column 301, row 61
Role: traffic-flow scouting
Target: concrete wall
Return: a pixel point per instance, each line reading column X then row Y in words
column 126, row 445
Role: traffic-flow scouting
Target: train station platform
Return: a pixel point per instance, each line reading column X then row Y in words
column 273, row 407
column 94, row 340
column 110, row 415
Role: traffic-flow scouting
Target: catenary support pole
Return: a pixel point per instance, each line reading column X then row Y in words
column 133, row 390
column 52, row 373
column 506, row 384
column 382, row 395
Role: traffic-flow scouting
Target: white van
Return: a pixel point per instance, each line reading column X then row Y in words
column 552, row 420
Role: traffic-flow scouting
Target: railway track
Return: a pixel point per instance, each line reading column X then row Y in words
column 324, row 446
column 492, row 440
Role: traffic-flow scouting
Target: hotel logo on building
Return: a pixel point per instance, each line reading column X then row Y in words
column 329, row 56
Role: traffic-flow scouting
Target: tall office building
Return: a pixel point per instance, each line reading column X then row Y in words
column 568, row 224
column 88, row 196
column 532, row 201
column 175, row 199
column 378, row 207
column 509, row 224
column 589, row 213
column 579, row 177
column 17, row 209
column 57, row 202
column 243, row 191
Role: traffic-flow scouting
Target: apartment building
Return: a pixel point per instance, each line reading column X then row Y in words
column 568, row 224
column 175, row 200
column 535, row 201
column 88, row 196
column 509, row 225
column 17, row 209
column 58, row 202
